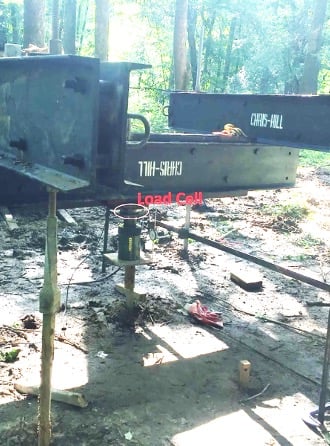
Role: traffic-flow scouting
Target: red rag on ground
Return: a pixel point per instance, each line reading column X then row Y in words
column 202, row 314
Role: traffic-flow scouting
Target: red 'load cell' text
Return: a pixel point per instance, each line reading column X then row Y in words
column 181, row 198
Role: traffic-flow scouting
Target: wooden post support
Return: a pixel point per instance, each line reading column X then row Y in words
column 129, row 282
column 49, row 303
column 48, row 327
column 128, row 287
column 244, row 372
column 187, row 226
column 106, row 236
column 129, row 277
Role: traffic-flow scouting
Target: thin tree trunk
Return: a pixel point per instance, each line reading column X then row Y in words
column 102, row 18
column 197, row 86
column 228, row 53
column 81, row 22
column 309, row 80
column 180, row 45
column 14, row 20
column 34, row 23
column 55, row 45
column 69, row 26
column 55, row 19
column 192, row 20
column 208, row 27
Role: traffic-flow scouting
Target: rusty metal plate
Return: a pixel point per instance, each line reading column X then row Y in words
column 45, row 175
column 288, row 120
column 48, row 106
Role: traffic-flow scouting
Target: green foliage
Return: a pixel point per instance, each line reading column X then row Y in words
column 11, row 21
column 308, row 241
column 288, row 211
column 324, row 81
column 312, row 158
column 149, row 96
column 293, row 211
column 9, row 356
column 324, row 75
column 250, row 46
column 150, row 43
column 298, row 257
column 85, row 27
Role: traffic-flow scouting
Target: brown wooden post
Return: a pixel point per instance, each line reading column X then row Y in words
column 130, row 277
column 244, row 372
column 129, row 283
column 187, row 227
column 49, row 304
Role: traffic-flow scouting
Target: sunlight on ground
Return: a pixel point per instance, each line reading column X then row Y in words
column 161, row 357
column 15, row 304
column 73, row 268
column 248, row 426
column 285, row 416
column 232, row 429
column 319, row 229
column 282, row 309
column 184, row 342
column 70, row 369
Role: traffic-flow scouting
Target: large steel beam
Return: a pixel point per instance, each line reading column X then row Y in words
column 288, row 120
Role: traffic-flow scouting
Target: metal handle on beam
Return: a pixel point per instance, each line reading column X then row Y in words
column 146, row 135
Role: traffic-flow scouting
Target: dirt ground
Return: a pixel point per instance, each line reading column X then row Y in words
column 157, row 378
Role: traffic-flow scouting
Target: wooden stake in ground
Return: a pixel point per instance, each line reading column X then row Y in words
column 49, row 305
column 244, row 372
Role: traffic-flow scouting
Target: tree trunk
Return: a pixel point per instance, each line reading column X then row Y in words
column 69, row 26
column 55, row 45
column 34, row 23
column 14, row 21
column 192, row 20
column 197, row 86
column 208, row 27
column 180, row 45
column 228, row 53
column 55, row 19
column 3, row 30
column 82, row 14
column 309, row 80
column 102, row 17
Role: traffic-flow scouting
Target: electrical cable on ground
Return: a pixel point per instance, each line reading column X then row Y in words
column 91, row 282
column 70, row 283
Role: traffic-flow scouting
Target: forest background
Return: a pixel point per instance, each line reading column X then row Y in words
column 214, row 46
